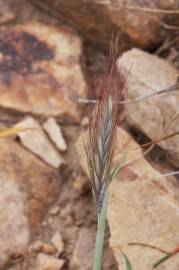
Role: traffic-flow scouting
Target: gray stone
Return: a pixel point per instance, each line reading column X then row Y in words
column 149, row 74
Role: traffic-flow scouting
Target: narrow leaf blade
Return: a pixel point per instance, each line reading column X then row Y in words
column 167, row 256
column 115, row 171
column 128, row 263
column 118, row 167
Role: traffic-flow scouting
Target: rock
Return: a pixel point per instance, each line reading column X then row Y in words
column 82, row 184
column 36, row 246
column 85, row 121
column 94, row 22
column 58, row 242
column 55, row 133
column 20, row 12
column 34, row 139
column 54, row 210
column 48, row 248
column 28, row 187
column 83, row 253
column 101, row 18
column 40, row 246
column 142, row 209
column 14, row 229
column 154, row 24
column 149, row 74
column 46, row 262
column 7, row 15
column 69, row 221
column 39, row 68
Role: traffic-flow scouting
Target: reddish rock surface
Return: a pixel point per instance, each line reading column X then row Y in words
column 144, row 22
column 39, row 71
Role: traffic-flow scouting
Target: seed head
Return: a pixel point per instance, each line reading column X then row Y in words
column 103, row 121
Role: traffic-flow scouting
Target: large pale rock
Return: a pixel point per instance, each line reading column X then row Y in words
column 98, row 19
column 143, row 208
column 34, row 139
column 148, row 75
column 39, row 70
column 27, row 187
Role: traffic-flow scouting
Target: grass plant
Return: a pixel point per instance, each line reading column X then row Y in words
column 100, row 143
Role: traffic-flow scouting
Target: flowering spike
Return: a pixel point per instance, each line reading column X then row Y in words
column 103, row 120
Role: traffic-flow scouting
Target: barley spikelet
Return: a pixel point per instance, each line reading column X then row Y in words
column 103, row 121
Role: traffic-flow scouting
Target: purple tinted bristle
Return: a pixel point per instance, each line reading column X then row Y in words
column 103, row 122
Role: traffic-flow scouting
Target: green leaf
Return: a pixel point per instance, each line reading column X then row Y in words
column 167, row 256
column 128, row 264
column 118, row 167
column 115, row 171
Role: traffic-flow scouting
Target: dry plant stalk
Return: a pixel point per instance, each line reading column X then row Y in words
column 100, row 142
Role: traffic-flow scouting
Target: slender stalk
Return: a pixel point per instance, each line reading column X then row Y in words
column 97, row 260
column 101, row 142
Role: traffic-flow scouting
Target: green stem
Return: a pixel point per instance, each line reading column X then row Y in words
column 97, row 260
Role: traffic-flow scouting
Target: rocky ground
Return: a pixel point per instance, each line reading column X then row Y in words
column 49, row 51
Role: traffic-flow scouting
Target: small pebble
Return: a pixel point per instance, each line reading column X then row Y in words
column 58, row 242
column 85, row 121
column 54, row 210
column 40, row 246
column 46, row 262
